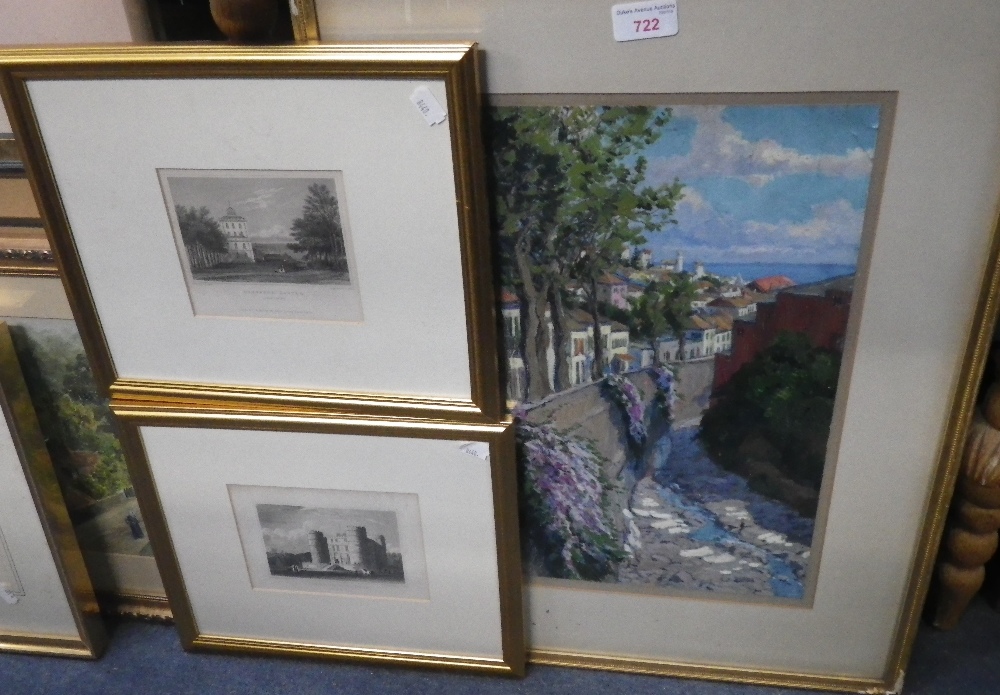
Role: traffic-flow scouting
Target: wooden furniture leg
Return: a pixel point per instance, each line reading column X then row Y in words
column 971, row 533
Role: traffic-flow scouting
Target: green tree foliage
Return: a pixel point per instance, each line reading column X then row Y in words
column 198, row 227
column 610, row 206
column 527, row 190
column 664, row 306
column 73, row 417
column 646, row 319
column 318, row 234
column 571, row 192
column 778, row 406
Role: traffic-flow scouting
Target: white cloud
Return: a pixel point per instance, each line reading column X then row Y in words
column 694, row 200
column 260, row 199
column 832, row 234
column 834, row 222
column 719, row 149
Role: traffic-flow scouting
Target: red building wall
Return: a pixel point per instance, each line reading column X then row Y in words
column 823, row 319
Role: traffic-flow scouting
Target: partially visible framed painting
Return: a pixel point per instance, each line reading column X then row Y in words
column 825, row 589
column 82, row 442
column 24, row 248
column 10, row 158
column 330, row 536
column 48, row 604
column 310, row 215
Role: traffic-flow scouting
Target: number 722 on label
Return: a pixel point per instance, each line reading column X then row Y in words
column 644, row 20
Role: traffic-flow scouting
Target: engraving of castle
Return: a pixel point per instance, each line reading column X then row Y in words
column 350, row 549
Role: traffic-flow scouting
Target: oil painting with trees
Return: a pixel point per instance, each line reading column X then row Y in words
column 81, row 437
column 677, row 284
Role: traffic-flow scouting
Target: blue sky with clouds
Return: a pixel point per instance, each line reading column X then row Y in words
column 766, row 183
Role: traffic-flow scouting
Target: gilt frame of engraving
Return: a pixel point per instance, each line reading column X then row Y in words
column 293, row 501
column 357, row 199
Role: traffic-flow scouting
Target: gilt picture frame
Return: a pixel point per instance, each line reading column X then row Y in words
column 82, row 442
column 49, row 606
column 355, row 196
column 406, row 530
column 24, row 247
column 908, row 397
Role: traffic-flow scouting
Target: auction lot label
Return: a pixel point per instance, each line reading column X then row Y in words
column 644, row 20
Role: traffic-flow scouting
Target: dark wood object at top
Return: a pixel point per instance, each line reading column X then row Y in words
column 245, row 20
column 191, row 20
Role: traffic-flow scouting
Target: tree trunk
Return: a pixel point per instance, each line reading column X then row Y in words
column 560, row 339
column 597, row 370
column 536, row 332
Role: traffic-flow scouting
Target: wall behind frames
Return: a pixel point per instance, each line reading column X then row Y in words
column 80, row 21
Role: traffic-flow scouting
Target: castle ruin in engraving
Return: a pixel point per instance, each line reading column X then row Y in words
column 321, row 547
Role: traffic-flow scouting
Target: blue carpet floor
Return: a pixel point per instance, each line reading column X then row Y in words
column 147, row 658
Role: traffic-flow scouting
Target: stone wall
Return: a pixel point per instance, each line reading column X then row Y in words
column 586, row 413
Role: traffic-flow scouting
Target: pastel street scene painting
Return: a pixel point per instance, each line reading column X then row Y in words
column 268, row 244
column 81, row 436
column 677, row 291
column 333, row 544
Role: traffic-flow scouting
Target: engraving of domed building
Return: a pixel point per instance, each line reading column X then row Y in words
column 238, row 244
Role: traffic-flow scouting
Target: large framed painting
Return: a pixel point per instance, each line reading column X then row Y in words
column 48, row 603
column 334, row 536
column 317, row 214
column 81, row 438
column 686, row 358
column 807, row 192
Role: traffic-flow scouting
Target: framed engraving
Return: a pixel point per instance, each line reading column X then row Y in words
column 358, row 233
column 343, row 542
column 264, row 244
column 266, row 525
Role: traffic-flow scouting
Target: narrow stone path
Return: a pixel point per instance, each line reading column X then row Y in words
column 695, row 526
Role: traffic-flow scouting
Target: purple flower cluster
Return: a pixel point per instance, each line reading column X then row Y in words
column 624, row 393
column 564, row 493
column 666, row 392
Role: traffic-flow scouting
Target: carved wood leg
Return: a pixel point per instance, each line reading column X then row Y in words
column 970, row 541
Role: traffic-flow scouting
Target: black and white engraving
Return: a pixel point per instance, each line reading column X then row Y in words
column 355, row 543
column 261, row 228
column 331, row 543
column 269, row 244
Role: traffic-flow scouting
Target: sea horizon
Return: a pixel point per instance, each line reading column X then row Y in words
column 800, row 273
